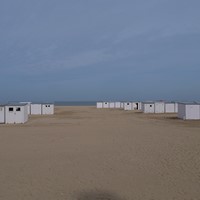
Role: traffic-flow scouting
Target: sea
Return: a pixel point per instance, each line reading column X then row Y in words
column 75, row 103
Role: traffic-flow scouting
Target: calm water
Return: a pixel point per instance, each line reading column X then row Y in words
column 75, row 103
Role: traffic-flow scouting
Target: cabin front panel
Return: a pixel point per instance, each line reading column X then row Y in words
column 15, row 114
column 99, row 105
column 47, row 109
column 36, row 109
column 159, row 107
column 149, row 108
column 170, row 108
column 105, row 104
column 192, row 112
column 117, row 105
column 128, row 106
column 112, row 105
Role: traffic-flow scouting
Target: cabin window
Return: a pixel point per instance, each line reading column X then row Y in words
column 46, row 106
column 18, row 109
column 150, row 105
column 49, row 106
column 10, row 109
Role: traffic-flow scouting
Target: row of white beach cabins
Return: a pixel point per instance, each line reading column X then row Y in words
column 185, row 111
column 18, row 113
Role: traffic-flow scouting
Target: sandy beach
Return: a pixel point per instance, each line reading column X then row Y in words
column 84, row 153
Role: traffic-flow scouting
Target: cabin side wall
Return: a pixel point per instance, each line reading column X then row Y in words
column 47, row 109
column 2, row 114
column 26, row 112
column 176, row 107
column 181, row 111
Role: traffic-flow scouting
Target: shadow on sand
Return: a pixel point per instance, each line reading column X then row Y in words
column 98, row 195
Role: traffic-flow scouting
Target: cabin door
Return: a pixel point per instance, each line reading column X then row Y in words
column 18, row 115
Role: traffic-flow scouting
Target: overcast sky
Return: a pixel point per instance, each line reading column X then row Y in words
column 99, row 50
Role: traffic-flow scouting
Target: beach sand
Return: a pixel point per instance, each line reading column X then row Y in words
column 84, row 153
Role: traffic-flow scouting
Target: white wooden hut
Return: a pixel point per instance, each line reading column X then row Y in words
column 105, row 104
column 128, row 106
column 148, row 107
column 111, row 104
column 117, row 104
column 159, row 107
column 99, row 104
column 47, row 109
column 122, row 105
column 170, row 107
column 2, row 114
column 36, row 108
column 189, row 111
column 16, row 113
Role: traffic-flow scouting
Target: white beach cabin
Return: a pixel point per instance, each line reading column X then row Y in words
column 105, row 104
column 99, row 104
column 122, row 104
column 16, row 113
column 47, row 109
column 159, row 107
column 36, row 109
column 128, row 106
column 189, row 111
column 2, row 114
column 170, row 107
column 148, row 107
column 117, row 104
column 111, row 104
